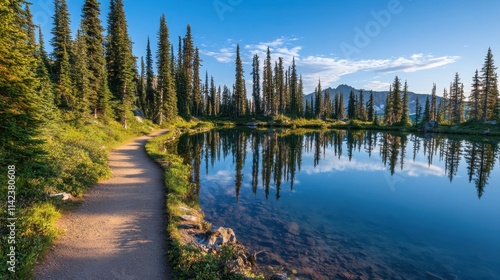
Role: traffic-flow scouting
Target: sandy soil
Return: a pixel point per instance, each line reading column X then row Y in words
column 119, row 230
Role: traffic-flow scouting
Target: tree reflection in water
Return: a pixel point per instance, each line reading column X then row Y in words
column 277, row 154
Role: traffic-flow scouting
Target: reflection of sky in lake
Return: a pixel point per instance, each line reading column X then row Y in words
column 361, row 219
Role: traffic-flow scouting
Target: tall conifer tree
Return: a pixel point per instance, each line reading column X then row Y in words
column 197, row 98
column 239, row 92
column 475, row 98
column 256, row 84
column 351, row 106
column 61, row 43
column 184, row 96
column 318, row 102
column 300, row 98
column 267, row 85
column 166, row 101
column 405, row 114
column 433, row 107
column 150, row 88
column 341, row 109
column 120, row 62
column 20, row 112
column 81, row 75
column 91, row 26
column 397, row 106
column 489, row 85
column 370, row 108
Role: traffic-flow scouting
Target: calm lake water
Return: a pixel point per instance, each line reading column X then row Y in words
column 354, row 205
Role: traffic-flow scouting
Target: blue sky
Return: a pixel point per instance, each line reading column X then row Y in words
column 360, row 43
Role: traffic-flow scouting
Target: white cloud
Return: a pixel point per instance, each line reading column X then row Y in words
column 329, row 68
column 415, row 169
column 377, row 85
column 332, row 164
column 281, row 47
column 222, row 176
column 224, row 55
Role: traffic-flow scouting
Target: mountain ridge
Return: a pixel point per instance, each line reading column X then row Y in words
column 379, row 97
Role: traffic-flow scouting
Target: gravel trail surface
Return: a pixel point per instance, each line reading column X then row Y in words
column 118, row 232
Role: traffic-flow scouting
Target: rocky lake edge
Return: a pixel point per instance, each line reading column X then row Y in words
column 195, row 249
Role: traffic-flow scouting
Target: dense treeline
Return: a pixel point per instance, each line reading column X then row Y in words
column 57, row 118
column 482, row 106
column 97, row 75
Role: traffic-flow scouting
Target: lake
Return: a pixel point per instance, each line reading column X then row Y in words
column 354, row 204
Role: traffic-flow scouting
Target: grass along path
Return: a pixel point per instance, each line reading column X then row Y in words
column 119, row 230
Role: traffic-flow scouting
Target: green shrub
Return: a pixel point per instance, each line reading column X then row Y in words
column 35, row 231
column 75, row 159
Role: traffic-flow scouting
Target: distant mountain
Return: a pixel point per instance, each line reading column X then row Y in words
column 379, row 96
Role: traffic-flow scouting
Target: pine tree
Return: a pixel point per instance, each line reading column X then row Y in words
column 450, row 104
column 361, row 106
column 166, row 96
column 300, row 98
column 475, row 98
column 279, row 83
column 184, row 93
column 445, row 102
column 61, row 43
column 218, row 101
column 62, row 37
column 226, row 101
column 29, row 26
column 418, row 111
column 433, row 107
column 489, row 85
column 294, row 98
column 267, row 85
column 197, row 104
column 351, row 106
column 440, row 111
column 341, row 109
column 42, row 53
column 21, row 115
column 239, row 91
column 141, row 87
column 427, row 111
column 388, row 109
column 150, row 88
column 405, row 114
column 43, row 86
column 81, row 75
column 256, row 84
column 120, row 62
column 308, row 110
column 318, row 103
column 456, row 98
column 496, row 101
column 213, row 97
column 336, row 106
column 208, row 103
column 370, row 107
column 327, row 105
column 65, row 94
column 92, row 29
column 397, row 106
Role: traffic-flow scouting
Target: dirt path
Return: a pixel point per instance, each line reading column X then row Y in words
column 119, row 231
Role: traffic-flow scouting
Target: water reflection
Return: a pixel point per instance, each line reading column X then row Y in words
column 277, row 155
